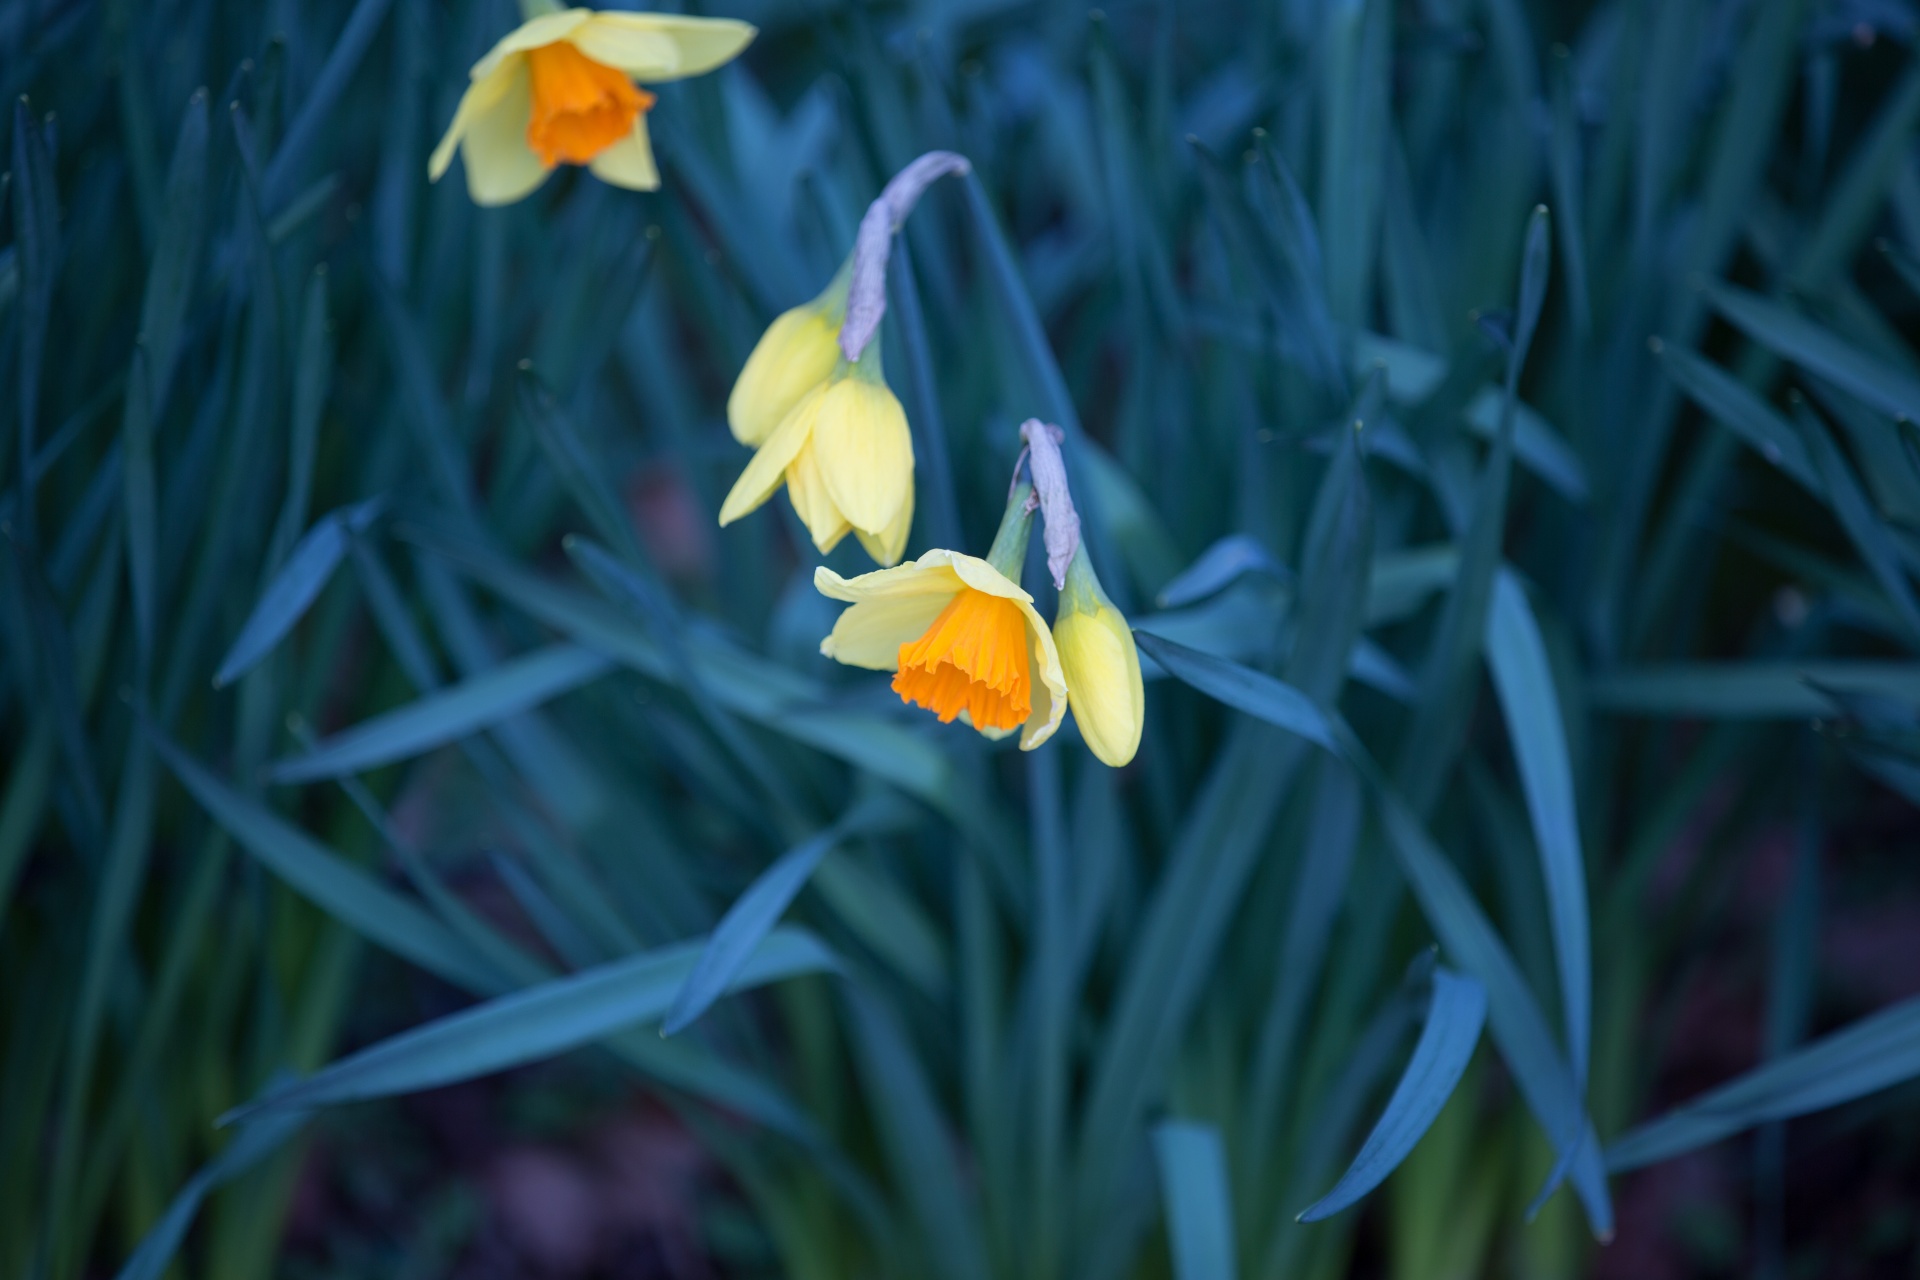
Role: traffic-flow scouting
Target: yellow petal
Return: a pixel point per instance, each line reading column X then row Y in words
column 501, row 167
column 655, row 47
column 548, row 28
column 793, row 356
column 866, row 452
column 481, row 96
column 1049, row 687
column 890, row 544
column 629, row 162
column 825, row 525
column 767, row 470
column 891, row 607
column 1102, row 667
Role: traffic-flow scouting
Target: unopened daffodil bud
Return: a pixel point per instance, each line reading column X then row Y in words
column 845, row 455
column 960, row 635
column 563, row 88
column 1102, row 666
column 796, row 354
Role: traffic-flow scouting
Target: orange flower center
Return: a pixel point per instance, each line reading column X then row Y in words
column 580, row 107
column 973, row 659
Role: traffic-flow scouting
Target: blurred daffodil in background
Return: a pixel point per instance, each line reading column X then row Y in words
column 564, row 88
column 814, row 401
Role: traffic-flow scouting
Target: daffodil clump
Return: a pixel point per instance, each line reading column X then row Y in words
column 564, row 88
column 964, row 641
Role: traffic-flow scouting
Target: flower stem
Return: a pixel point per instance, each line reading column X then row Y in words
column 531, row 9
column 1009, row 550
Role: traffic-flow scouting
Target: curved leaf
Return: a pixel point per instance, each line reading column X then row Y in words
column 535, row 1023
column 1455, row 1015
column 1242, row 688
column 1877, row 1052
column 740, row 931
column 1219, row 565
column 449, row 715
column 309, row 568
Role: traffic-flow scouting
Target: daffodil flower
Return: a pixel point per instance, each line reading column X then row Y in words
column 561, row 89
column 961, row 637
column 796, row 354
column 845, row 455
column 814, row 400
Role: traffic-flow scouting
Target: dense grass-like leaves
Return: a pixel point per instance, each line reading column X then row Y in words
column 362, row 583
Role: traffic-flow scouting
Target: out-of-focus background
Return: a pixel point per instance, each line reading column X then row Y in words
column 369, row 652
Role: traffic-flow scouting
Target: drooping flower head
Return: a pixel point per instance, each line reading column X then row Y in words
column 561, row 89
column 1097, row 650
column 845, row 455
column 960, row 635
column 813, row 398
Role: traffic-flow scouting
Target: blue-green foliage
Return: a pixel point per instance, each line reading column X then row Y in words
column 1429, row 373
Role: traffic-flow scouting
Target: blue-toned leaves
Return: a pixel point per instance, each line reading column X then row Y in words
column 176, row 250
column 1259, row 695
column 1749, row 690
column 1220, row 565
column 1193, row 1190
column 305, row 130
column 1468, row 939
column 497, row 694
column 1741, row 411
column 1874, row 1053
column 141, row 502
column 747, row 921
column 1819, row 351
column 308, row 569
column 1456, row 1012
column 344, row 891
column 252, row 1144
column 535, row 1023
column 1531, row 704
column 1870, row 534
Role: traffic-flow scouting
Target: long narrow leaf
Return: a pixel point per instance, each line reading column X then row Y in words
column 1455, row 1014
column 1874, row 1053
column 1193, row 1187
column 1524, row 681
column 439, row 718
column 535, row 1023
column 1242, row 688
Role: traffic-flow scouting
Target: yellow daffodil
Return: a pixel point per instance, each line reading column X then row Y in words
column 1102, row 666
column 562, row 90
column 961, row 637
column 814, row 401
column 846, row 457
column 796, row 354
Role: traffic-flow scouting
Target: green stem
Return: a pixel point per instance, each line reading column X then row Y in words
column 1009, row 550
column 531, row 9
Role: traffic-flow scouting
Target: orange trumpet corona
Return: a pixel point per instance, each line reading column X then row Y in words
column 580, row 107
column 973, row 659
